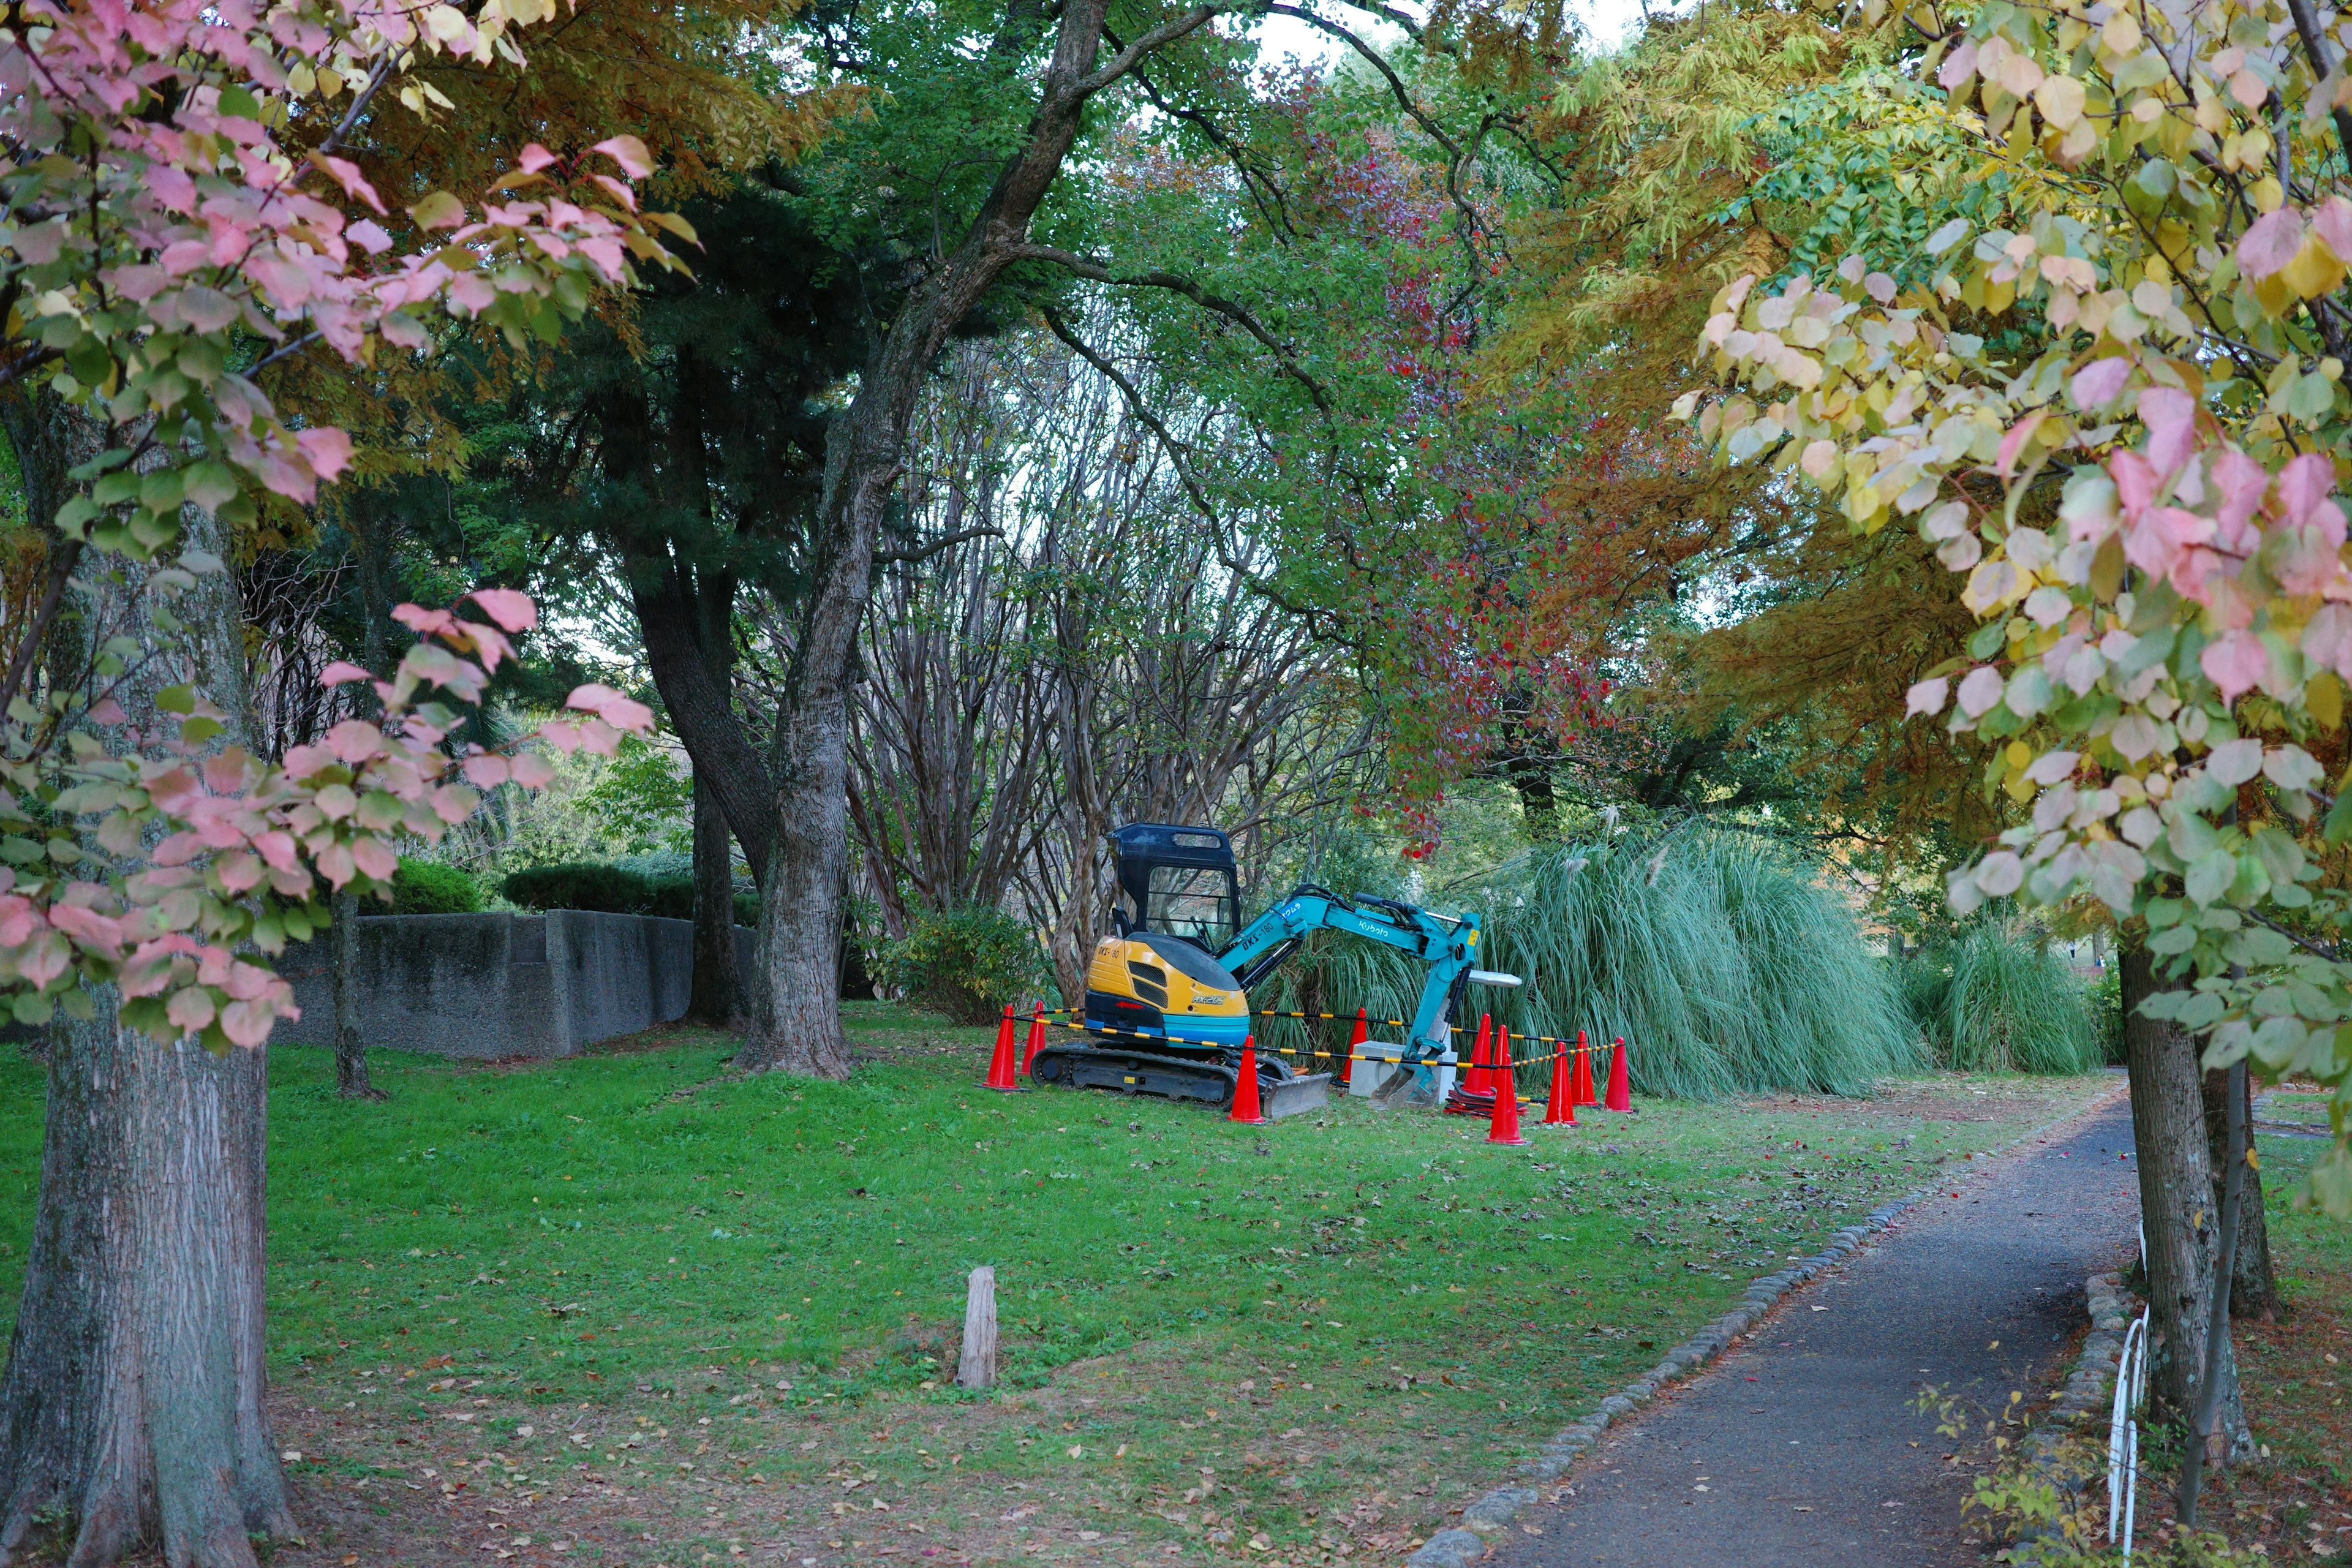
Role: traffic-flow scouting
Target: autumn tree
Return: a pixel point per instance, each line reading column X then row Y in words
column 2108, row 394
column 163, row 244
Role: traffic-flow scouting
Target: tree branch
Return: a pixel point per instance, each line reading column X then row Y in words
column 1126, row 60
column 2315, row 48
column 925, row 552
column 1086, row 267
column 1137, row 409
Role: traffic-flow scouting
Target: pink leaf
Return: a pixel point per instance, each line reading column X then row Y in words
column 2270, row 242
column 342, row 670
column 2170, row 416
column 347, row 175
column 614, row 708
column 2236, row 662
column 327, row 449
column 424, row 621
column 512, row 610
column 107, row 711
column 532, row 770
column 192, row 1009
column 335, row 865
column 355, row 740
column 250, row 1023
column 454, row 803
column 2014, row 442
column 2333, row 221
column 2305, row 482
column 1927, row 696
column 301, row 761
column 2241, row 482
column 534, row 158
column 1958, row 67
column 2097, row 384
column 486, row 770
column 369, row 854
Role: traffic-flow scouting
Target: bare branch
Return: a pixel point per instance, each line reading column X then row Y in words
column 1178, row 451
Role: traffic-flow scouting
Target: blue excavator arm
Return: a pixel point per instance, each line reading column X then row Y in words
column 1447, row 945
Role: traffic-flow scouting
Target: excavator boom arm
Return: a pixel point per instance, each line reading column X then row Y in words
column 1448, row 945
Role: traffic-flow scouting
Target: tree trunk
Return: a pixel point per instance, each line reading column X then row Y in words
column 134, row 1396
column 343, row 960
column 373, row 553
column 716, row 1000
column 2253, row 1283
column 2179, row 1214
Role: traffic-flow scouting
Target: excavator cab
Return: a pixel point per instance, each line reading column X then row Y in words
column 1156, row 975
column 1179, row 881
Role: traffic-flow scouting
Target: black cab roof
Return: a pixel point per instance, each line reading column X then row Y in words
column 1170, row 844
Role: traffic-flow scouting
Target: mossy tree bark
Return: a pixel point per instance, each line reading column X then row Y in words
column 2179, row 1212
column 2253, row 1283
column 134, row 1398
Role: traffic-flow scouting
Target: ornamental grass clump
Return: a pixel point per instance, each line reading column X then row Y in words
column 1715, row 953
column 2015, row 1005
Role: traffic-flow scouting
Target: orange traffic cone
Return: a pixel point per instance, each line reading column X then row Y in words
column 1560, row 1109
column 1482, row 1057
column 999, row 1066
column 1505, row 1128
column 1036, row 1037
column 1245, row 1086
column 1621, row 1088
column 1580, row 1086
column 1356, row 1038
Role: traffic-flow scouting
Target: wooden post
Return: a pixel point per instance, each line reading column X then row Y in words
column 976, row 1368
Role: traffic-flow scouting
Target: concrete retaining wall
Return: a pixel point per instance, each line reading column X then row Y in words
column 487, row 986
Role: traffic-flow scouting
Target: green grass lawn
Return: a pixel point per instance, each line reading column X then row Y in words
column 686, row 1315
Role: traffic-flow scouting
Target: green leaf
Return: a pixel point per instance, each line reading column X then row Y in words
column 196, row 730
column 239, row 102
column 2209, row 876
column 176, row 700
column 2338, row 825
column 2175, row 939
column 1989, row 639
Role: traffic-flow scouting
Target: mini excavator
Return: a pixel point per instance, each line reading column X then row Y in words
column 1167, row 1004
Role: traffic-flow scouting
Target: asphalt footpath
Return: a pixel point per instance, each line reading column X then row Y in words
column 1802, row 1446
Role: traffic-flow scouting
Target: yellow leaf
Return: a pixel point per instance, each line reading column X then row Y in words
column 2313, row 270
column 440, row 210
column 2019, row 753
column 2121, row 34
column 2060, row 98
column 2323, row 696
column 2265, row 194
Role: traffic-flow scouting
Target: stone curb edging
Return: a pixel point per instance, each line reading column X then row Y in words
column 1495, row 1513
column 2053, row 1451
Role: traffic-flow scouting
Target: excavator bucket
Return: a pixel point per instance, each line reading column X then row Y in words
column 1278, row 1097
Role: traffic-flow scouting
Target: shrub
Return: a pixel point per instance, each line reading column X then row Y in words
column 427, row 887
column 579, row 885
column 616, row 891
column 967, row 964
